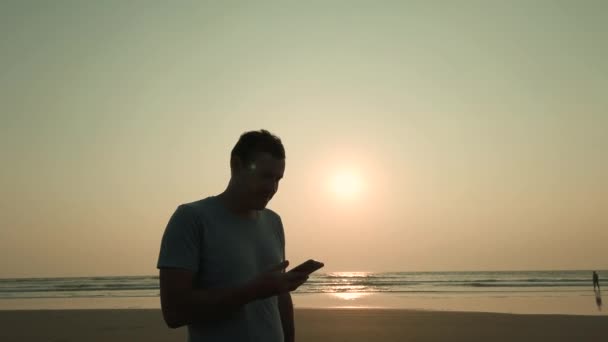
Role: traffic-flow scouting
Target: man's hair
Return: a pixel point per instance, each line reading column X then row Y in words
column 253, row 142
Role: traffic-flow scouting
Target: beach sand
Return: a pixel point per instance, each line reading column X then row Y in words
column 312, row 325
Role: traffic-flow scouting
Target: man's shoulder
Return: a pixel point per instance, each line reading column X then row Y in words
column 203, row 203
column 272, row 214
column 274, row 220
column 198, row 209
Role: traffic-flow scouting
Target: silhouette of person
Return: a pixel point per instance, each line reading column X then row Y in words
column 596, row 281
column 222, row 258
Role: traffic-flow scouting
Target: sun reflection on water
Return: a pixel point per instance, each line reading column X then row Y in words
column 348, row 287
column 349, row 274
column 350, row 295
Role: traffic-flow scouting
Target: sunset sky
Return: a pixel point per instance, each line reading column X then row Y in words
column 420, row 136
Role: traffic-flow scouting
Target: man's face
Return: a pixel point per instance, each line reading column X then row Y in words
column 259, row 180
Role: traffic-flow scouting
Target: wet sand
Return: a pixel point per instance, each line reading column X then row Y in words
column 311, row 325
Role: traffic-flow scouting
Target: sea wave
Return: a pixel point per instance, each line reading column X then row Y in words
column 336, row 282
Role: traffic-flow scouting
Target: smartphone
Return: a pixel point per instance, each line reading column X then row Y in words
column 308, row 266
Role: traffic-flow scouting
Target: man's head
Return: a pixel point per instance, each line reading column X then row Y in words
column 257, row 164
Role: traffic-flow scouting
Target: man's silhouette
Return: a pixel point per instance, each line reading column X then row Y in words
column 596, row 281
column 221, row 257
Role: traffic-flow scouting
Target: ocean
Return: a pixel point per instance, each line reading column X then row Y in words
column 434, row 284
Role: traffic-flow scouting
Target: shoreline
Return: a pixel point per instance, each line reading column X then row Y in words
column 578, row 305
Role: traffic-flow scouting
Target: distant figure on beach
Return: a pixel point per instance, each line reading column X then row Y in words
column 222, row 258
column 596, row 289
column 596, row 281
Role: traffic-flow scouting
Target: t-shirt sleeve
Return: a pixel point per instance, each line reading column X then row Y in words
column 180, row 245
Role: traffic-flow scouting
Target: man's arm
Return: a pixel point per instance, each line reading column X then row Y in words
column 286, row 310
column 183, row 304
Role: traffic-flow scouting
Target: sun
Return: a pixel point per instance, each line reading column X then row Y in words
column 346, row 184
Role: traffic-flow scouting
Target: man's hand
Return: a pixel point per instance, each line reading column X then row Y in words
column 275, row 281
column 182, row 304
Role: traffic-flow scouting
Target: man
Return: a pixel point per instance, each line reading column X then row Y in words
column 596, row 281
column 222, row 258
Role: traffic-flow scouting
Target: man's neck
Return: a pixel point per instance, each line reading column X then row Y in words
column 231, row 200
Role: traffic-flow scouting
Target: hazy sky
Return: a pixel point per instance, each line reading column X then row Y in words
column 478, row 131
